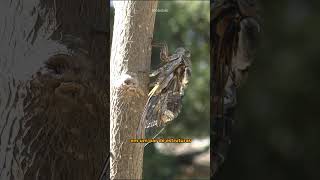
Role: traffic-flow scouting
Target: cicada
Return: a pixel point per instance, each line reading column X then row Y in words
column 165, row 98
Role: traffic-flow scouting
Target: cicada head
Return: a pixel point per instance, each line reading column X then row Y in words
column 183, row 52
column 186, row 72
column 185, row 55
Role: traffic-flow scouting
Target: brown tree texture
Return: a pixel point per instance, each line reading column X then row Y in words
column 130, row 66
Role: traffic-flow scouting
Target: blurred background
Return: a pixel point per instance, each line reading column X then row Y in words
column 184, row 24
column 277, row 130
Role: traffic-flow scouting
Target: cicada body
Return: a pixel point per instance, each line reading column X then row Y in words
column 165, row 98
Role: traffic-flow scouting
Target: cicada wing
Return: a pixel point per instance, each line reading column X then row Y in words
column 153, row 123
column 163, row 104
column 143, row 120
column 154, row 131
column 173, row 107
column 153, row 111
column 164, row 108
column 151, row 114
column 174, row 104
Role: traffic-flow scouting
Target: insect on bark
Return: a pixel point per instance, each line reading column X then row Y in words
column 165, row 98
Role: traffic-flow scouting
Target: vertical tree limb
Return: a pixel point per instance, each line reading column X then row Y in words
column 130, row 65
column 234, row 34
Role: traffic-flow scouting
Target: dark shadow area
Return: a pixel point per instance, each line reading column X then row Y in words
column 276, row 133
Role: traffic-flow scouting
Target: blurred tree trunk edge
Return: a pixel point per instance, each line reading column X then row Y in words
column 130, row 65
column 235, row 29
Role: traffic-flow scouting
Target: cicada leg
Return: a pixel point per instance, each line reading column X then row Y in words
column 164, row 52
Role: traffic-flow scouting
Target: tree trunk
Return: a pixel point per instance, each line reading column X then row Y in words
column 130, row 66
column 53, row 89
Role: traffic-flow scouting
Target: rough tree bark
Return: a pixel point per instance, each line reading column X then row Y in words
column 130, row 65
column 53, row 89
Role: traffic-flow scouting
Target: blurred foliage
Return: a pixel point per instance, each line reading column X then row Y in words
column 185, row 24
column 277, row 128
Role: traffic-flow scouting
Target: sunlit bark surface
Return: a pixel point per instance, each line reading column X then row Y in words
column 130, row 64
